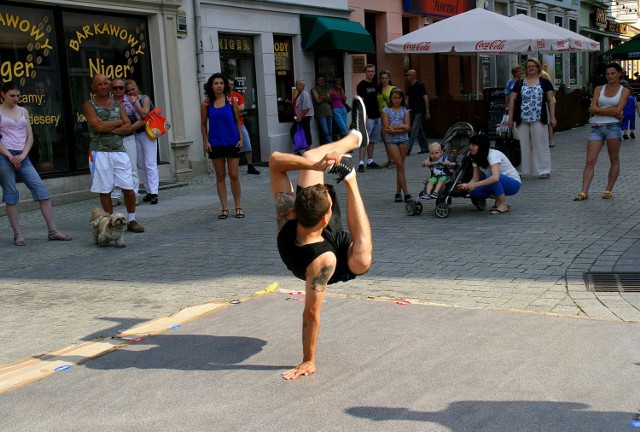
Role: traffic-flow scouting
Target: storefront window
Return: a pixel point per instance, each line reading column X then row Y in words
column 573, row 57
column 114, row 46
column 28, row 57
column 330, row 65
column 285, row 79
column 237, row 62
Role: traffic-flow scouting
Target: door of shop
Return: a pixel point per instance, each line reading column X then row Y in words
column 237, row 62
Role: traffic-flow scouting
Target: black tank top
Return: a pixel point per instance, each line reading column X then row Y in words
column 297, row 258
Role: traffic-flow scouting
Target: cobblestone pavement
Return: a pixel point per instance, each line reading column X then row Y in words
column 53, row 294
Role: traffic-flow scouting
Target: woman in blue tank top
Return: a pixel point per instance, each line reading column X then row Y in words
column 223, row 140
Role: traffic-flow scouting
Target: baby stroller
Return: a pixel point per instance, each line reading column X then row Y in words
column 455, row 145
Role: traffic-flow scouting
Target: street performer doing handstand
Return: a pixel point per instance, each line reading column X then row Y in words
column 311, row 240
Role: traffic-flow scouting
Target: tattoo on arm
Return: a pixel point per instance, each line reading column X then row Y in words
column 320, row 282
column 284, row 207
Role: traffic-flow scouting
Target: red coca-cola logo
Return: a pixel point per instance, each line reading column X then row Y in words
column 495, row 45
column 540, row 44
column 419, row 46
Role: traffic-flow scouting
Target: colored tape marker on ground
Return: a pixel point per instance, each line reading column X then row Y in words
column 403, row 302
column 175, row 326
column 63, row 368
column 267, row 290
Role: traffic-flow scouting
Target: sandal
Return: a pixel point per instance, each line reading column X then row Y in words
column 607, row 194
column 223, row 214
column 239, row 213
column 18, row 239
column 581, row 197
column 55, row 235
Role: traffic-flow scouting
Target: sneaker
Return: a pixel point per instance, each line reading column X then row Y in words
column 398, row 198
column 632, row 135
column 154, row 199
column 146, row 198
column 344, row 168
column 359, row 119
column 434, row 195
column 252, row 170
column 115, row 202
column 408, row 198
column 361, row 168
column 135, row 227
column 424, row 196
column 373, row 165
column 625, row 136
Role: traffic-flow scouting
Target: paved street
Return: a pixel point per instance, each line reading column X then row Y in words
column 55, row 294
column 490, row 268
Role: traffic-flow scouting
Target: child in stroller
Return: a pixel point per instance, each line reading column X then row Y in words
column 455, row 147
column 440, row 172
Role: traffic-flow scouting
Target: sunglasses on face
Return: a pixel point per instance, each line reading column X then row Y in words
column 117, row 88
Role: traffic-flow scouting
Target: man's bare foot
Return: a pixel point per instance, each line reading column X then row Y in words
column 305, row 369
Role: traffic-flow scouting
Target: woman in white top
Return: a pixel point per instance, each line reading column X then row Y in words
column 501, row 180
column 606, row 106
column 16, row 139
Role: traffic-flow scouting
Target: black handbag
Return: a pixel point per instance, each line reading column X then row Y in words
column 510, row 147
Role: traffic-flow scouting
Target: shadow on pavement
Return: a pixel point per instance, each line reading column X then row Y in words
column 504, row 416
column 187, row 352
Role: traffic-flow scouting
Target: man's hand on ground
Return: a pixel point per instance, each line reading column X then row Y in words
column 305, row 368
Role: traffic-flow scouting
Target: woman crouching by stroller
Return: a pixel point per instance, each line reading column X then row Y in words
column 501, row 178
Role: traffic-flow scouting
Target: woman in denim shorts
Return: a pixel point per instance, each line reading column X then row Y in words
column 16, row 139
column 606, row 108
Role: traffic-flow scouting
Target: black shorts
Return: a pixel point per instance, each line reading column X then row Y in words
column 226, row 152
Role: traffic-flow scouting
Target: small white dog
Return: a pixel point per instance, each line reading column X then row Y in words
column 108, row 228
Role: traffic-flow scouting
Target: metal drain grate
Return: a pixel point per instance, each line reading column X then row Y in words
column 612, row 282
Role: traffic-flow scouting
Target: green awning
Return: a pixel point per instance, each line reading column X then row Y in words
column 326, row 34
column 626, row 51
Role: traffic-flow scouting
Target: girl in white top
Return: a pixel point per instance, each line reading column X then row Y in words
column 16, row 139
column 606, row 106
column 501, row 179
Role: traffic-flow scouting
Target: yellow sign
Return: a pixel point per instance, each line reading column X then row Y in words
column 38, row 47
column 135, row 43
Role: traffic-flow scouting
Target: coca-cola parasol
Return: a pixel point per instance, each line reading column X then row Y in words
column 479, row 31
column 574, row 41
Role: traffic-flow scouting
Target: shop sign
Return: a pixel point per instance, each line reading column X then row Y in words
column 282, row 53
column 109, row 34
column 235, row 44
column 616, row 27
column 599, row 17
column 35, row 36
column 445, row 8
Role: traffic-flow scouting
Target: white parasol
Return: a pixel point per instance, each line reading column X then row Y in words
column 481, row 32
column 576, row 42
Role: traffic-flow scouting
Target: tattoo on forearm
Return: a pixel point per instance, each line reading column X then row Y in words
column 320, row 282
column 284, row 207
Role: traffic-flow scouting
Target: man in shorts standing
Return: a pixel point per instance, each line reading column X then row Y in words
column 367, row 89
column 311, row 240
column 109, row 163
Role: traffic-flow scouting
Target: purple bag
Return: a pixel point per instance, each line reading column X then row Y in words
column 299, row 139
